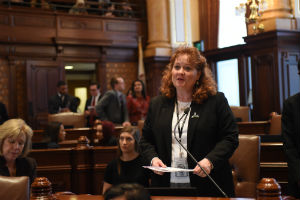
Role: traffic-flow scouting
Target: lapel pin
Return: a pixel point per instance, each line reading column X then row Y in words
column 195, row 115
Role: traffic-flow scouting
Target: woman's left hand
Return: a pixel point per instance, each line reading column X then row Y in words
column 206, row 165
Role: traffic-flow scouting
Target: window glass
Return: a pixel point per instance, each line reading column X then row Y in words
column 232, row 26
column 228, row 80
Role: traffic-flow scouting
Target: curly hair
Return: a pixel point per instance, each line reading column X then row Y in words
column 205, row 85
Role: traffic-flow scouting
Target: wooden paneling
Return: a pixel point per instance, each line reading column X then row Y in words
column 274, row 56
column 272, row 53
column 254, row 128
column 35, row 34
column 154, row 67
column 42, row 77
column 57, row 169
column 273, row 163
column 264, row 86
column 4, row 74
column 78, row 170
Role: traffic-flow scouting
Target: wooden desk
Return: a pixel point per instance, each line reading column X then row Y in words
column 273, row 163
column 78, row 170
column 99, row 197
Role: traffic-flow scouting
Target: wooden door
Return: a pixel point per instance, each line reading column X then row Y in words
column 42, row 77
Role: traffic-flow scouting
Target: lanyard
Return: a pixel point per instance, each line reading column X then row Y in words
column 180, row 128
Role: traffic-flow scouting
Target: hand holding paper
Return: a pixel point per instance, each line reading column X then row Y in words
column 168, row 169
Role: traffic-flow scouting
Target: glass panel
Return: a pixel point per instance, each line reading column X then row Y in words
column 232, row 28
column 179, row 21
column 81, row 92
column 228, row 80
column 294, row 80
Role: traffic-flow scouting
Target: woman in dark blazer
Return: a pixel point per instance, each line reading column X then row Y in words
column 15, row 144
column 208, row 129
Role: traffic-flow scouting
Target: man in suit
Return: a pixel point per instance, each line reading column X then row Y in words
column 91, row 102
column 291, row 140
column 62, row 101
column 112, row 106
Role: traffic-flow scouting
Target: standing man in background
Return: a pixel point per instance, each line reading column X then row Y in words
column 89, row 110
column 291, row 140
column 112, row 106
column 62, row 101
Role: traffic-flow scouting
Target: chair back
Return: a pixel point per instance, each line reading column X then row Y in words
column 14, row 188
column 140, row 126
column 245, row 164
column 69, row 119
column 241, row 112
column 275, row 124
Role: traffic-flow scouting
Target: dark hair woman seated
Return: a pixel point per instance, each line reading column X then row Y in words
column 104, row 131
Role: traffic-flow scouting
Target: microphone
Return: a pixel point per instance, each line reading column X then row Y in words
column 186, row 112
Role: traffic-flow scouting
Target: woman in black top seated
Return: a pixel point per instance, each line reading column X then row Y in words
column 104, row 133
column 127, row 168
column 55, row 133
column 15, row 144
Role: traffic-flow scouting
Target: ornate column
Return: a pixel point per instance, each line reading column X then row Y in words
column 274, row 15
column 158, row 28
column 158, row 50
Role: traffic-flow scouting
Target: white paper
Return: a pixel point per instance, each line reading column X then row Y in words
column 168, row 169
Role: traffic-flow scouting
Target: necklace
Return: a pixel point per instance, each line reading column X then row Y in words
column 183, row 105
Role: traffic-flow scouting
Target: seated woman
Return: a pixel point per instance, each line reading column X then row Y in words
column 104, row 133
column 15, row 144
column 127, row 168
column 55, row 133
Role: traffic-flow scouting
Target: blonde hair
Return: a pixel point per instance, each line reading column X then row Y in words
column 205, row 85
column 14, row 128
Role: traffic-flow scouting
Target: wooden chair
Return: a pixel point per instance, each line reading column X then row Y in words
column 241, row 112
column 275, row 124
column 69, row 119
column 140, row 126
column 16, row 188
column 245, row 164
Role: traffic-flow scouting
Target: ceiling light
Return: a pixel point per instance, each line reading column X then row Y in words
column 69, row 67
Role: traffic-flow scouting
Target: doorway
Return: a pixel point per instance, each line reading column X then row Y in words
column 79, row 76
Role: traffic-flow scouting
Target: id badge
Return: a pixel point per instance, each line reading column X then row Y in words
column 181, row 163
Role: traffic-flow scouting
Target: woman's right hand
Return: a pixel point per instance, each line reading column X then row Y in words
column 156, row 162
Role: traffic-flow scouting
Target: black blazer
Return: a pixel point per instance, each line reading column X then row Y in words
column 55, row 103
column 24, row 167
column 212, row 134
column 291, row 142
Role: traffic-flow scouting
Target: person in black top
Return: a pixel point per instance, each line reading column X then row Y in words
column 62, row 101
column 291, row 140
column 3, row 113
column 15, row 144
column 55, row 133
column 127, row 168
